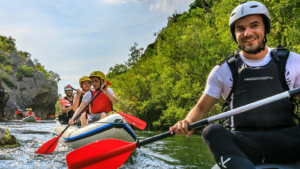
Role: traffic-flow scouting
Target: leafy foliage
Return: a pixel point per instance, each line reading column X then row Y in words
column 6, row 80
column 50, row 75
column 7, row 44
column 24, row 71
column 25, row 55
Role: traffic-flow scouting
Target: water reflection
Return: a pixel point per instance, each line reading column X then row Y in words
column 174, row 152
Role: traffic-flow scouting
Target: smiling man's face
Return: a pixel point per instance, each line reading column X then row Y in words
column 250, row 32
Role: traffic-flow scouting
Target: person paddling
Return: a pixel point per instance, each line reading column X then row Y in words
column 29, row 112
column 101, row 106
column 67, row 111
column 267, row 134
column 85, row 85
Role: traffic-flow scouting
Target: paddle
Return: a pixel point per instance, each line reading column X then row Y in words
column 133, row 120
column 112, row 153
column 65, row 102
column 129, row 118
column 50, row 145
column 76, row 90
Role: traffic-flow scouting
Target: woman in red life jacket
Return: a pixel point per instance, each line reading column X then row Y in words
column 29, row 112
column 85, row 85
column 101, row 105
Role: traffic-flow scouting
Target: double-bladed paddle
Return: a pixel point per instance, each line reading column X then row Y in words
column 129, row 118
column 50, row 145
column 17, row 112
column 112, row 153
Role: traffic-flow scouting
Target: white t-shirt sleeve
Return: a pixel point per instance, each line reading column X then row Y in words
column 88, row 96
column 213, row 84
column 219, row 81
column 292, row 73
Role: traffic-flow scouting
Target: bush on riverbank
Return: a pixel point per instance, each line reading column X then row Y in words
column 164, row 81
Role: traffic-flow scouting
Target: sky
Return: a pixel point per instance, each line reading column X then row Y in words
column 76, row 37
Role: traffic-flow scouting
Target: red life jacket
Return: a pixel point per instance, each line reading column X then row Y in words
column 100, row 104
column 30, row 113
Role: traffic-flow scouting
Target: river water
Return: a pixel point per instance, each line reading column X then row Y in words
column 173, row 152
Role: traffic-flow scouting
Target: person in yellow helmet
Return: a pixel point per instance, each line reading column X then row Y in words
column 101, row 105
column 85, row 85
column 29, row 112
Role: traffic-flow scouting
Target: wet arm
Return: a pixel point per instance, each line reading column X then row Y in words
column 112, row 97
column 64, row 109
column 82, row 105
column 75, row 103
column 203, row 106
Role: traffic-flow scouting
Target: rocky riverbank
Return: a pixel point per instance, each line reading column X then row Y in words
column 7, row 140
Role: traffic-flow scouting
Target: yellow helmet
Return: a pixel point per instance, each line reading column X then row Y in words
column 28, row 109
column 84, row 78
column 99, row 74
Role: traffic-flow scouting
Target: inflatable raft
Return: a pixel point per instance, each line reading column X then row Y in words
column 272, row 166
column 29, row 119
column 113, row 126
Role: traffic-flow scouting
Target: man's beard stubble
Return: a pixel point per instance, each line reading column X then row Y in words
column 252, row 49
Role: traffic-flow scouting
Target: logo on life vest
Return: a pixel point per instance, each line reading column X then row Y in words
column 258, row 78
column 224, row 162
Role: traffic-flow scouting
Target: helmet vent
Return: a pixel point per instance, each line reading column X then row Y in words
column 233, row 14
column 253, row 6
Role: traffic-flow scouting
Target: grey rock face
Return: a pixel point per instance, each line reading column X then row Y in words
column 32, row 92
column 2, row 134
column 3, row 99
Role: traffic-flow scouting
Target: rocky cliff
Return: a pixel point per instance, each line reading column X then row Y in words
column 3, row 99
column 34, row 92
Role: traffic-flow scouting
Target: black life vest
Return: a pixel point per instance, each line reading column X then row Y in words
column 251, row 84
column 80, row 100
column 71, row 112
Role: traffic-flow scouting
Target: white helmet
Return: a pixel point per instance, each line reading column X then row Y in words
column 249, row 8
column 68, row 87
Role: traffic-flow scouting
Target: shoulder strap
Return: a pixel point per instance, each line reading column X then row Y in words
column 281, row 56
column 232, row 63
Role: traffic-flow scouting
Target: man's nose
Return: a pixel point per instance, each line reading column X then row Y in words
column 248, row 32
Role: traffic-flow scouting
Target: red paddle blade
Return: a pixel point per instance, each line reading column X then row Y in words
column 37, row 118
column 17, row 112
column 65, row 102
column 133, row 120
column 51, row 116
column 49, row 146
column 108, row 154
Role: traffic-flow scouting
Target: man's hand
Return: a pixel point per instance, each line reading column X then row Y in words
column 78, row 92
column 181, row 127
column 71, row 121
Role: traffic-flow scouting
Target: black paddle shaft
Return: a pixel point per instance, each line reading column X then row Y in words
column 79, row 114
column 287, row 94
column 76, row 90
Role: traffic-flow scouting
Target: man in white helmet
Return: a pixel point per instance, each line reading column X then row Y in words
column 267, row 134
column 67, row 111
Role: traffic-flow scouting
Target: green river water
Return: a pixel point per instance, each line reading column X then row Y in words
column 173, row 152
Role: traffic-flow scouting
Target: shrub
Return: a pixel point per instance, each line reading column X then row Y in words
column 24, row 71
column 2, row 58
column 7, row 69
column 6, row 80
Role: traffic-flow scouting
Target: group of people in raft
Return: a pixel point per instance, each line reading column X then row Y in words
column 98, row 109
